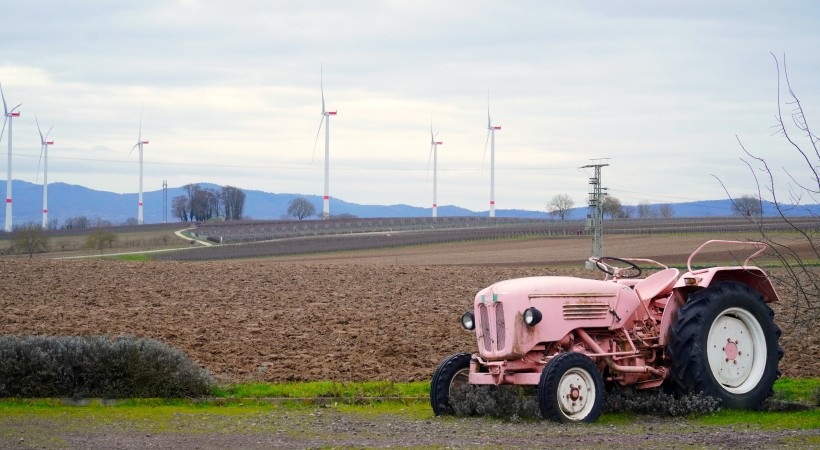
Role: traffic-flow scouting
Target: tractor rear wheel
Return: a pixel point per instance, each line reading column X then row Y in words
column 724, row 345
column 452, row 373
column 571, row 389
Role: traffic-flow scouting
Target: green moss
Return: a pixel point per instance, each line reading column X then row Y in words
column 319, row 389
column 765, row 420
column 131, row 257
column 796, row 390
column 412, row 409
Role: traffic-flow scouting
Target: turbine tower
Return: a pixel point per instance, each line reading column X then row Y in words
column 44, row 143
column 9, row 115
column 434, row 155
column 326, row 120
column 491, row 139
column 139, row 145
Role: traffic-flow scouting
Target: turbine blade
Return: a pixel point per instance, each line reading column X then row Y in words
column 5, row 108
column 37, row 177
column 322, row 87
column 317, row 138
column 5, row 119
column 483, row 158
column 38, row 130
column 49, row 131
column 132, row 148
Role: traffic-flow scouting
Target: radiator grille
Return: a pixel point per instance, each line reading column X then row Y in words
column 584, row 311
column 499, row 326
column 485, row 326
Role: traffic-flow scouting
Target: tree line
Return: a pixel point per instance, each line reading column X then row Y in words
column 200, row 204
column 561, row 204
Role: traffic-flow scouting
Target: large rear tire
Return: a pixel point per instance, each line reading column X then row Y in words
column 571, row 389
column 724, row 344
column 451, row 374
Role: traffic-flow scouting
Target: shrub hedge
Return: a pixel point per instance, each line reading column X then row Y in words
column 97, row 367
column 520, row 402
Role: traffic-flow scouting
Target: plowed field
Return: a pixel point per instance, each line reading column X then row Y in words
column 379, row 316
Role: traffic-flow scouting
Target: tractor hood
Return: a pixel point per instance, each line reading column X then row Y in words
column 565, row 303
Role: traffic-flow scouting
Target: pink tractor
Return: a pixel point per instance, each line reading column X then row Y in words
column 707, row 331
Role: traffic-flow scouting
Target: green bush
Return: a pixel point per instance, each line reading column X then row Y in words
column 507, row 401
column 520, row 402
column 97, row 367
column 658, row 403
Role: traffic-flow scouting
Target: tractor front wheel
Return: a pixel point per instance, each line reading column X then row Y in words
column 452, row 373
column 724, row 344
column 571, row 389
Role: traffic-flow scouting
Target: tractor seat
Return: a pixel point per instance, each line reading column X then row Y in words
column 656, row 284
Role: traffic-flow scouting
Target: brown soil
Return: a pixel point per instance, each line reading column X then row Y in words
column 280, row 320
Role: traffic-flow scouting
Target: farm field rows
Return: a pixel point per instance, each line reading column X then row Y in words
column 375, row 315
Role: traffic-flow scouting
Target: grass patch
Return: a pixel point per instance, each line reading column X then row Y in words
column 796, row 390
column 800, row 420
column 131, row 257
column 413, row 409
column 324, row 389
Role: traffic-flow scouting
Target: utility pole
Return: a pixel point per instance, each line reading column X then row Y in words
column 595, row 218
column 164, row 201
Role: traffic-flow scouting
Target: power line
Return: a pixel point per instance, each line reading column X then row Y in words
column 292, row 166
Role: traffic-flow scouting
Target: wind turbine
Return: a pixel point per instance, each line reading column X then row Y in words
column 9, row 115
column 491, row 139
column 44, row 143
column 326, row 120
column 139, row 145
column 434, row 155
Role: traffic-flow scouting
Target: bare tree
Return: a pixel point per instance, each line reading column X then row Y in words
column 77, row 223
column 645, row 210
column 613, row 207
column 203, row 203
column 560, row 205
column 180, row 208
column 747, row 206
column 99, row 222
column 802, row 187
column 98, row 239
column 300, row 208
column 233, row 200
column 29, row 238
column 666, row 210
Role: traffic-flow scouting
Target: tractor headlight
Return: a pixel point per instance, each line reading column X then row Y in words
column 468, row 320
column 532, row 316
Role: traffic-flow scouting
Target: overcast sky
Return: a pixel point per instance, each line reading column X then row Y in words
column 231, row 94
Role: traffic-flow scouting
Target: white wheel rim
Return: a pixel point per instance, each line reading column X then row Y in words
column 736, row 349
column 460, row 378
column 576, row 394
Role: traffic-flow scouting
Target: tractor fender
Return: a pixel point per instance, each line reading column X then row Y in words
column 754, row 277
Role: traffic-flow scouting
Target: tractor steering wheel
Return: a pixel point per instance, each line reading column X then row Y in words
column 617, row 272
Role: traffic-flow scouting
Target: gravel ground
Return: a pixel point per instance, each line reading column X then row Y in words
column 329, row 427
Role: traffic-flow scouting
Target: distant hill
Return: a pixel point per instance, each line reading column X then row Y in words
column 67, row 200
